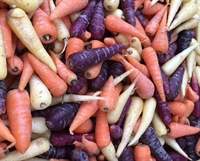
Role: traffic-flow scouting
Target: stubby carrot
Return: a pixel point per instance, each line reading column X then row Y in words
column 54, row 83
column 19, row 117
column 142, row 152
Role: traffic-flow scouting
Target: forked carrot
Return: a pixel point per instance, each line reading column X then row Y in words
column 85, row 127
column 178, row 130
column 160, row 41
column 19, row 118
column 116, row 24
column 44, row 27
column 26, row 73
column 142, row 152
column 177, row 108
column 63, row 71
column 90, row 146
column 197, row 147
column 102, row 133
column 151, row 60
column 54, row 83
column 67, row 7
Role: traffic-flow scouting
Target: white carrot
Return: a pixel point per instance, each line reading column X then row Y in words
column 184, row 82
column 111, row 5
column 188, row 10
column 118, row 12
column 147, row 116
column 191, row 63
column 46, row 134
column 197, row 73
column 131, row 118
column 109, row 152
column 197, row 28
column 197, row 49
column 21, row 25
column 171, row 65
column 39, row 125
column 134, row 53
column 136, row 43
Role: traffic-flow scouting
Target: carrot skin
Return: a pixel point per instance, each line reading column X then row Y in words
column 116, row 69
column 2, row 96
column 115, row 131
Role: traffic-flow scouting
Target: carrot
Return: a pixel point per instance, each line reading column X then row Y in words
column 18, row 19
column 17, row 67
column 83, row 90
column 19, row 118
column 67, row 21
column 102, row 134
column 45, row 7
column 3, row 151
column 79, row 144
column 85, row 111
column 27, row 72
column 67, row 7
column 145, row 87
column 90, row 146
column 114, row 24
column 3, row 5
column 6, row 33
column 138, row 3
column 85, row 127
column 111, row 94
column 86, row 36
column 109, row 41
column 178, row 130
column 54, row 83
column 74, row 44
column 151, row 10
column 6, row 134
column 160, row 40
column 153, row 24
column 142, row 152
column 197, row 147
column 44, row 27
column 63, row 71
column 177, row 108
column 191, row 94
column 141, row 67
column 151, row 60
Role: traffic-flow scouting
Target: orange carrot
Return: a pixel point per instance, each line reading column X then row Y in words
column 85, row 127
column 141, row 152
column 177, row 108
column 3, row 149
column 67, row 21
column 153, row 25
column 90, row 146
column 139, row 26
column 137, row 124
column 138, row 3
column 86, row 36
column 179, row 97
column 54, row 83
column 102, row 134
column 160, row 41
column 191, row 94
column 6, row 33
column 17, row 67
column 26, row 73
column 116, row 24
column 151, row 10
column 45, row 7
column 79, row 144
column 151, row 60
column 85, row 111
column 63, row 71
column 44, row 27
column 109, row 41
column 111, row 94
column 138, row 65
column 100, row 157
column 67, row 7
column 74, row 45
column 145, row 87
column 178, row 130
column 19, row 118
column 197, row 147
column 175, row 118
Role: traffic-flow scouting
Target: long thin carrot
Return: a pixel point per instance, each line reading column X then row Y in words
column 63, row 71
column 160, row 41
column 116, row 24
column 44, row 27
column 102, row 133
column 142, row 152
column 54, row 83
column 67, row 7
column 26, row 73
column 19, row 118
column 111, row 94
column 178, row 130
column 151, row 60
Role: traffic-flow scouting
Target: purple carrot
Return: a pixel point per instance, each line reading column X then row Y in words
column 128, row 11
column 44, row 112
column 176, row 156
column 162, row 58
column 97, row 26
column 63, row 138
column 150, row 138
column 80, row 83
column 79, row 154
column 194, row 85
column 124, row 111
column 62, row 116
column 79, row 61
column 140, row 18
column 162, row 109
column 2, row 96
column 165, row 81
column 115, row 131
column 175, row 81
column 181, row 142
column 116, row 69
column 127, row 154
column 98, row 82
column 80, row 25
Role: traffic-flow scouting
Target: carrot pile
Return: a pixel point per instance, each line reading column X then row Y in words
column 43, row 66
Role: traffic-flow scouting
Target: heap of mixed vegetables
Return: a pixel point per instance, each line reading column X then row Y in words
column 88, row 80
